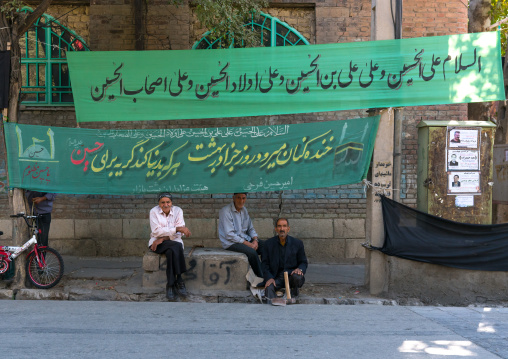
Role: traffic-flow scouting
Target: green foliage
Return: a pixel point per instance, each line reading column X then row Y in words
column 10, row 7
column 226, row 20
column 499, row 11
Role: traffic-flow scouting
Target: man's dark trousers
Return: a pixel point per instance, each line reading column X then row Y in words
column 252, row 255
column 43, row 223
column 296, row 281
column 175, row 265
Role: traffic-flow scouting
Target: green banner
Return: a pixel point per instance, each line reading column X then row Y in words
column 191, row 84
column 204, row 160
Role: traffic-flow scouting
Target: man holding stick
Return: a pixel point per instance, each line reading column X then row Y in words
column 281, row 254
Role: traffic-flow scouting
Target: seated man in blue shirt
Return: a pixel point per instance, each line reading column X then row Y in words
column 237, row 233
column 283, row 253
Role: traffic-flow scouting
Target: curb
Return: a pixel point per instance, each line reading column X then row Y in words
column 82, row 294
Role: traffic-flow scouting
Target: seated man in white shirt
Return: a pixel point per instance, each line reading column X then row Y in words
column 167, row 225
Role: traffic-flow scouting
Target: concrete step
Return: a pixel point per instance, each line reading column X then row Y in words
column 121, row 278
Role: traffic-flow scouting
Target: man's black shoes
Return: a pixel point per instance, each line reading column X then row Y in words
column 294, row 292
column 176, row 289
column 170, row 292
column 180, row 288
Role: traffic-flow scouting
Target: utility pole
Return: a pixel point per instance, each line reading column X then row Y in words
column 382, row 28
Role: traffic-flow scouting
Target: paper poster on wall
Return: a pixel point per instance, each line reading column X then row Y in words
column 463, row 160
column 460, row 137
column 464, row 201
column 464, row 182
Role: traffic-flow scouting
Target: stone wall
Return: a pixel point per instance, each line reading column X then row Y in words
column 434, row 284
column 326, row 240
column 338, row 213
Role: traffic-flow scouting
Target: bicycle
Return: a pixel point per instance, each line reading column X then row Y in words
column 44, row 265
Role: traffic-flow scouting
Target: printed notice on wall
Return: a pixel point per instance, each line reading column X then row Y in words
column 463, row 137
column 464, row 182
column 464, row 201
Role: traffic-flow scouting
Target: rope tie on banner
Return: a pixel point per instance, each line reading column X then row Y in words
column 390, row 113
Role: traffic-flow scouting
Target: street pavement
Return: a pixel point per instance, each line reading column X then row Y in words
column 90, row 329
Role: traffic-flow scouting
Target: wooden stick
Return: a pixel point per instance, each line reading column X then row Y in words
column 286, row 281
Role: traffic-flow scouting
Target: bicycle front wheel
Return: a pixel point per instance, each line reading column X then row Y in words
column 47, row 271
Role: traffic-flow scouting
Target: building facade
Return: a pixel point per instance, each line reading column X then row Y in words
column 331, row 221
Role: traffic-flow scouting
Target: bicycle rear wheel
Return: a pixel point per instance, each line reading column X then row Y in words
column 48, row 272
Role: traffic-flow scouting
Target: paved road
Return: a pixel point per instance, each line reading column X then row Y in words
column 67, row 329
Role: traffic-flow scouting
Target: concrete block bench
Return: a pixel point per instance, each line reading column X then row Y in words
column 209, row 271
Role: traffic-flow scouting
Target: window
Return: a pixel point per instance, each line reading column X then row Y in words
column 273, row 32
column 44, row 67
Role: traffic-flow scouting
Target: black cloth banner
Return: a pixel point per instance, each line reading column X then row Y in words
column 5, row 69
column 422, row 237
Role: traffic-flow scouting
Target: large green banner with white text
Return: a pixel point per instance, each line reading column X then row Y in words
column 202, row 160
column 191, row 84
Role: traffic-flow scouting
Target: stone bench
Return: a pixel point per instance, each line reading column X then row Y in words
column 209, row 271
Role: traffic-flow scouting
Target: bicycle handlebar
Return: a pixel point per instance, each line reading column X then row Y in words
column 22, row 215
column 26, row 218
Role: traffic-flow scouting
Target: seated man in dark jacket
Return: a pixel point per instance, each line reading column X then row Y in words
column 283, row 253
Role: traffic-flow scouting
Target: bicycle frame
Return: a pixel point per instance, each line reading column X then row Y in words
column 13, row 252
column 10, row 253
column 44, row 266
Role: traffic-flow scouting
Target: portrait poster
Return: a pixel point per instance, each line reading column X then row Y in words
column 463, row 137
column 463, row 160
column 464, row 182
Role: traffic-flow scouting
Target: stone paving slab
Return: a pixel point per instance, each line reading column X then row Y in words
column 73, row 263
column 486, row 326
column 6, row 294
column 101, row 273
column 335, row 273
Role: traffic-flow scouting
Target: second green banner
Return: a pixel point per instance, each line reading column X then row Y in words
column 204, row 160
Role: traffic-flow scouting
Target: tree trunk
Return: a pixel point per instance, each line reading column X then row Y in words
column 19, row 228
column 502, row 112
column 18, row 27
column 479, row 20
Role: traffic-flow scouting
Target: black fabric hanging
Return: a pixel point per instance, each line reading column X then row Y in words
column 5, row 68
column 418, row 236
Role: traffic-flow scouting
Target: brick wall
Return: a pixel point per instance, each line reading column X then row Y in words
column 342, row 21
column 422, row 19
column 108, row 25
column 74, row 18
column 434, row 18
